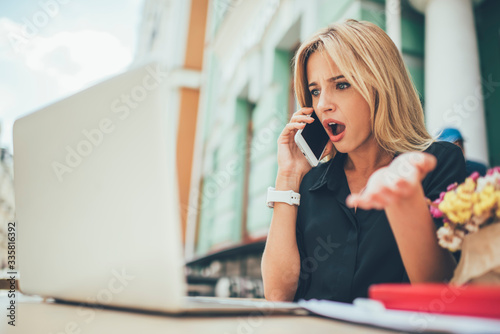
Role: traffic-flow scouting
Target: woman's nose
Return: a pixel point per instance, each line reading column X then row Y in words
column 325, row 102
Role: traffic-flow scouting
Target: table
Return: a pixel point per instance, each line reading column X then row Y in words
column 33, row 315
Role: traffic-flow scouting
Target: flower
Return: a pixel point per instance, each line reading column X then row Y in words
column 467, row 207
column 450, row 238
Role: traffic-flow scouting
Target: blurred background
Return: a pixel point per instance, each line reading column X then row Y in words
column 230, row 85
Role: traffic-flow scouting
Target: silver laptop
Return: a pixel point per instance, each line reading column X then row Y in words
column 97, row 207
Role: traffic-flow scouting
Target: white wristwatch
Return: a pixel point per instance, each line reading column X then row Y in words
column 289, row 197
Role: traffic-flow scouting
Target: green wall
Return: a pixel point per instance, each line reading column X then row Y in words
column 269, row 118
column 222, row 187
column 331, row 11
column 222, row 203
column 488, row 36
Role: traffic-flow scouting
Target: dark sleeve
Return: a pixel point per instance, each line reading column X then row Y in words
column 450, row 168
column 473, row 166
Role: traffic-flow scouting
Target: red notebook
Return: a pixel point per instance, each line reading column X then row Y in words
column 471, row 300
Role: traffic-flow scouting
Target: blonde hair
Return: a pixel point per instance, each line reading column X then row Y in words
column 372, row 64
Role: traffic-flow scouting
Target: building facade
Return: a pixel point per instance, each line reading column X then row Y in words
column 172, row 33
column 248, row 96
column 451, row 49
column 231, row 93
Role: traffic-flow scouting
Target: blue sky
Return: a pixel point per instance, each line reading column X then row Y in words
column 50, row 49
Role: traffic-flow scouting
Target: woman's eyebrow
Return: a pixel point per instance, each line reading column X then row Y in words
column 312, row 84
column 331, row 79
column 336, row 78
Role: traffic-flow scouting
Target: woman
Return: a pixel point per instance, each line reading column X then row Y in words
column 363, row 216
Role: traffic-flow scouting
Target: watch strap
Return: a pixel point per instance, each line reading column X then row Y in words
column 288, row 196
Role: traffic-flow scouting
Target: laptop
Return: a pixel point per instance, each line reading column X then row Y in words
column 97, row 203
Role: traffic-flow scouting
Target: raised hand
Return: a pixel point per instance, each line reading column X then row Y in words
column 290, row 159
column 398, row 182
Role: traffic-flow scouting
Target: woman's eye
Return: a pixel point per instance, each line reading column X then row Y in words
column 315, row 92
column 343, row 85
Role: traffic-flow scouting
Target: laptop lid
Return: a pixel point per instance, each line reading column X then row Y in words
column 96, row 196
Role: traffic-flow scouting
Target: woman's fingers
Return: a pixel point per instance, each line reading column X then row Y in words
column 302, row 115
column 352, row 200
column 290, row 159
column 289, row 131
column 294, row 126
column 426, row 165
column 403, row 187
column 303, row 111
column 414, row 165
column 372, row 200
column 298, row 121
column 301, row 119
column 363, row 201
column 384, row 197
column 390, row 184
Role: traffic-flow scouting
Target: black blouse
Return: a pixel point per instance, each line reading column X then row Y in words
column 342, row 252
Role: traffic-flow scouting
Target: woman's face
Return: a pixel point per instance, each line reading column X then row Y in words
column 341, row 109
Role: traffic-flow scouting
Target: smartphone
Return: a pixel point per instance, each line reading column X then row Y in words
column 312, row 140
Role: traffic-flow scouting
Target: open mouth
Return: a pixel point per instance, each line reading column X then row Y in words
column 336, row 128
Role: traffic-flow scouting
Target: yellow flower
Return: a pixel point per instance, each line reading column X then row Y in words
column 467, row 207
column 457, row 204
column 487, row 200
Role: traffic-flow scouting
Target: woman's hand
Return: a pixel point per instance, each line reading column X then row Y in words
column 291, row 161
column 395, row 183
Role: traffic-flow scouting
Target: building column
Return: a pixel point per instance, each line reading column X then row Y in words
column 453, row 91
column 393, row 21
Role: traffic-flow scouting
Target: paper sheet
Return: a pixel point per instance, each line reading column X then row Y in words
column 371, row 312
